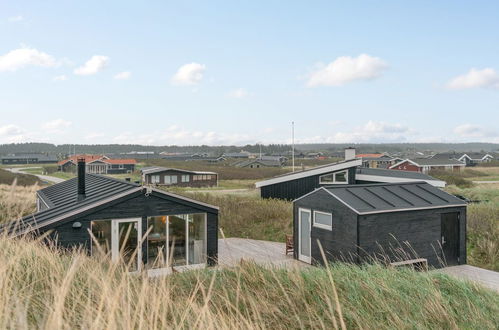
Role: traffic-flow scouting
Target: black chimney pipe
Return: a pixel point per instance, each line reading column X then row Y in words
column 81, row 179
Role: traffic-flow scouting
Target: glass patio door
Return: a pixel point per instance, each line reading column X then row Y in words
column 125, row 242
column 304, row 244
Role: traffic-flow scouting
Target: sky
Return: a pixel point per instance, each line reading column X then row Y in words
column 237, row 72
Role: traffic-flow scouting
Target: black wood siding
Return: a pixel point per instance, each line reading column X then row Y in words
column 135, row 207
column 294, row 189
column 340, row 243
column 384, row 236
column 413, row 234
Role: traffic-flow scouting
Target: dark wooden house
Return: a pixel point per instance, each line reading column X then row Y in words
column 386, row 222
column 296, row 184
column 162, row 176
column 159, row 226
column 28, row 159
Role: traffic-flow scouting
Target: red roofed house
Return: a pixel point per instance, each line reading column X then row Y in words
column 98, row 164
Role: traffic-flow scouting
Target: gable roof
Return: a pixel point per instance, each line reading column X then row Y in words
column 382, row 198
column 311, row 172
column 430, row 162
column 62, row 200
column 395, row 176
column 157, row 169
column 264, row 162
column 92, row 158
column 476, row 156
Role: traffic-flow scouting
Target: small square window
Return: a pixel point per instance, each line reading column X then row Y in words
column 323, row 220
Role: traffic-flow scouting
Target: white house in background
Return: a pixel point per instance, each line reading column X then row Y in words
column 473, row 158
column 424, row 165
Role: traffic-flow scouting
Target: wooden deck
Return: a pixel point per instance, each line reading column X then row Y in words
column 232, row 250
column 485, row 277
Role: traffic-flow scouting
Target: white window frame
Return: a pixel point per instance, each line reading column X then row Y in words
column 334, row 178
column 307, row 259
column 320, row 225
column 168, row 269
column 185, row 178
column 155, row 178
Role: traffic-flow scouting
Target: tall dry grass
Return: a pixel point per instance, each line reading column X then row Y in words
column 41, row 287
column 482, row 224
column 16, row 201
column 48, row 288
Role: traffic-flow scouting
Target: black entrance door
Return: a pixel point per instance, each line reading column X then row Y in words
column 450, row 237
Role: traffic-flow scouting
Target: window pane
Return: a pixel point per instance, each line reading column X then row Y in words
column 341, row 176
column 173, row 179
column 305, row 233
column 327, row 178
column 197, row 243
column 156, row 242
column 325, row 219
column 101, row 230
column 177, row 240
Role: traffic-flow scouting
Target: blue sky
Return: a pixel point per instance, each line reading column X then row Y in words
column 234, row 72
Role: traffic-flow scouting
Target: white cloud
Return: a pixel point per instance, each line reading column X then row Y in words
column 175, row 135
column 486, row 78
column 122, row 75
column 189, row 74
column 56, row 126
column 239, row 93
column 11, row 134
column 346, row 69
column 20, row 58
column 94, row 135
column 10, row 129
column 475, row 131
column 60, row 78
column 17, row 18
column 94, row 65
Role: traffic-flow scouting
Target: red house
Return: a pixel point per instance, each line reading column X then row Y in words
column 424, row 165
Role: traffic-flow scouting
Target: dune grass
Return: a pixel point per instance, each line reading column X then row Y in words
column 42, row 287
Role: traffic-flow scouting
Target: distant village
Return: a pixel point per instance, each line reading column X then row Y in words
column 112, row 163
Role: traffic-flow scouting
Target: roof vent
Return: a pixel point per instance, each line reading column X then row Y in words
column 81, row 179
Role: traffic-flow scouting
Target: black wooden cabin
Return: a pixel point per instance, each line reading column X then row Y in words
column 148, row 228
column 386, row 222
column 296, row 184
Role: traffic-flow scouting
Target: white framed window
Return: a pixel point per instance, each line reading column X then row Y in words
column 340, row 177
column 185, row 178
column 121, row 166
column 154, row 178
column 170, row 179
column 323, row 220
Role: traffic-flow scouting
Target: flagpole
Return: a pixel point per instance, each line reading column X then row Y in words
column 293, row 144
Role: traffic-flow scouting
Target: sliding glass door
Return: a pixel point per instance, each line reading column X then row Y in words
column 177, row 240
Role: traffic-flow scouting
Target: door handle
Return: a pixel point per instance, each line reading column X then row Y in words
column 443, row 240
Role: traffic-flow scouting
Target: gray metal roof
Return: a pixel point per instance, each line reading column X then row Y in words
column 62, row 200
column 435, row 161
column 96, row 186
column 39, row 157
column 394, row 173
column 380, row 198
column 158, row 169
column 264, row 162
